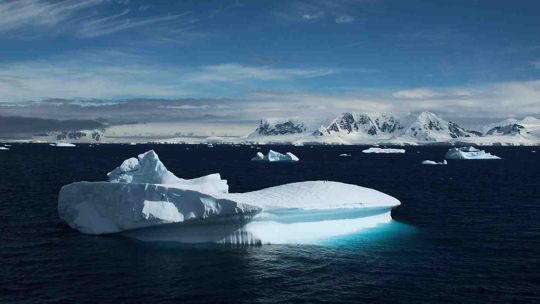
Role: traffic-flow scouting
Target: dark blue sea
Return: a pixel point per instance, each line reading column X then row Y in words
column 468, row 232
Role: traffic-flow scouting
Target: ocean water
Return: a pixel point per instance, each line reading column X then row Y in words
column 468, row 232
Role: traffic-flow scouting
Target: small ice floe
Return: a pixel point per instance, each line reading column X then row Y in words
column 533, row 151
column 61, row 144
column 469, row 153
column 344, row 155
column 431, row 162
column 383, row 150
column 274, row 156
column 4, row 148
column 132, row 144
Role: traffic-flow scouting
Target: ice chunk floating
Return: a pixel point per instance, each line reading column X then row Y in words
column 383, row 150
column 144, row 200
column 468, row 153
column 62, row 144
column 274, row 156
column 431, row 162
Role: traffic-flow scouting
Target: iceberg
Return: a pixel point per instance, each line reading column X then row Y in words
column 144, row 200
column 258, row 157
column 383, row 150
column 344, row 155
column 4, row 148
column 469, row 153
column 274, row 156
column 431, row 162
column 62, row 145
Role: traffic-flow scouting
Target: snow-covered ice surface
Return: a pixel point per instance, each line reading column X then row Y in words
column 143, row 200
column 431, row 162
column 61, row 144
column 274, row 156
column 383, row 150
column 469, row 153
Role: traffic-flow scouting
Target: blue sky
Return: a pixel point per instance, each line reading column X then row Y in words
column 461, row 58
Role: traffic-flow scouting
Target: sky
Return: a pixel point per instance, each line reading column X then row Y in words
column 240, row 61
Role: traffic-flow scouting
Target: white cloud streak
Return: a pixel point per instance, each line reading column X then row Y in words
column 112, row 74
column 15, row 15
column 344, row 19
column 231, row 72
column 117, row 23
column 81, row 18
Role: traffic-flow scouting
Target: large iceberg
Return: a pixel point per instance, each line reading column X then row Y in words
column 142, row 199
column 469, row 153
column 274, row 156
column 383, row 150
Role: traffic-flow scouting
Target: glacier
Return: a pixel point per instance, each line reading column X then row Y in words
column 143, row 200
column 468, row 153
column 274, row 156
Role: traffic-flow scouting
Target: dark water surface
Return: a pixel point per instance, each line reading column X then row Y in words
column 468, row 232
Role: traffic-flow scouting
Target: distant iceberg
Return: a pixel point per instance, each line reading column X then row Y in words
column 274, row 156
column 4, row 148
column 468, row 153
column 383, row 150
column 431, row 162
column 344, row 155
column 143, row 200
column 62, row 145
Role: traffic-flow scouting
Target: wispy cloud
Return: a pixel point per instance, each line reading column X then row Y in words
column 345, row 19
column 232, row 72
column 15, row 15
column 311, row 10
column 115, row 74
column 536, row 64
column 426, row 93
column 314, row 16
column 86, row 19
column 121, row 22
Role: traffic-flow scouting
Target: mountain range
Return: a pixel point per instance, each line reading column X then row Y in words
column 417, row 128
column 348, row 128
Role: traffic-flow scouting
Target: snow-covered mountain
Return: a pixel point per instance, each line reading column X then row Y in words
column 527, row 126
column 417, row 128
column 422, row 127
column 278, row 127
